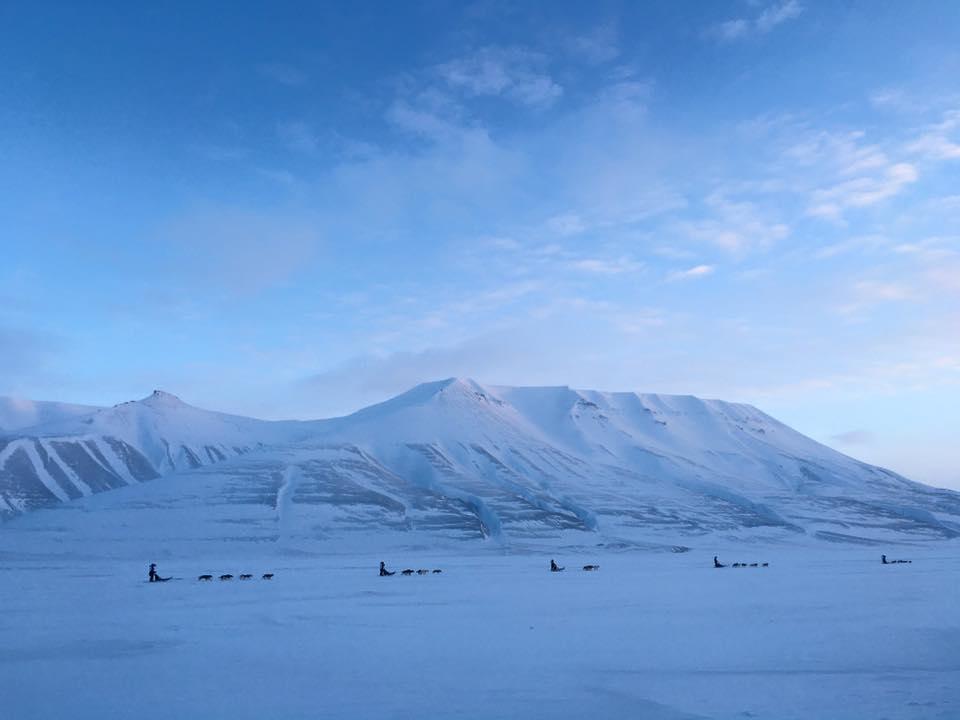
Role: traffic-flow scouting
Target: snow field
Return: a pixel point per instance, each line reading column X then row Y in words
column 819, row 634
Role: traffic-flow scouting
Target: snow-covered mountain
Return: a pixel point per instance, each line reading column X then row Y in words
column 530, row 462
column 456, row 460
column 79, row 454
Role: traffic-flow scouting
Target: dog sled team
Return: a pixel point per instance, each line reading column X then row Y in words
column 408, row 571
column 154, row 576
column 718, row 564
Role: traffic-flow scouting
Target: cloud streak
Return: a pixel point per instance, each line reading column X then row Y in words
column 831, row 203
column 694, row 273
column 769, row 19
column 514, row 73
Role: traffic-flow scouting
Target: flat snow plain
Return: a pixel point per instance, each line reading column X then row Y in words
column 822, row 633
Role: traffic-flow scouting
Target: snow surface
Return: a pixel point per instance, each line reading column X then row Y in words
column 487, row 483
column 826, row 633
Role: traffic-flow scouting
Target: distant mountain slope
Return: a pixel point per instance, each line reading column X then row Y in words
column 455, row 460
column 531, row 461
column 130, row 443
column 17, row 413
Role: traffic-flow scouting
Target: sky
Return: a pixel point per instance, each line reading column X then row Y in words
column 297, row 209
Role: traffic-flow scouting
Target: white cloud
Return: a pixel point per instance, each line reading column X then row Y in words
column 842, row 151
column 770, row 18
column 696, row 272
column 935, row 143
column 737, row 226
column 867, row 294
column 899, row 100
column 831, row 202
column 514, row 73
column 935, row 147
column 733, row 29
column 607, row 267
column 950, row 121
column 840, row 169
column 777, row 15
column 930, row 250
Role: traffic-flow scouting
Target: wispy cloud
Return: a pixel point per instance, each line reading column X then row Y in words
column 514, row 73
column 607, row 267
column 769, row 18
column 892, row 98
column 778, row 14
column 693, row 273
column 844, row 152
column 830, row 203
column 936, row 147
column 936, row 141
column 736, row 225
column 931, row 250
column 867, row 294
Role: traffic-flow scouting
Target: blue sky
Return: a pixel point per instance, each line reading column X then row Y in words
column 296, row 209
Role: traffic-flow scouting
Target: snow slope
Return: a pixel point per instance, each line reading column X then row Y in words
column 455, row 460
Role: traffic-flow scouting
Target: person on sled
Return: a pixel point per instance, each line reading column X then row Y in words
column 154, row 575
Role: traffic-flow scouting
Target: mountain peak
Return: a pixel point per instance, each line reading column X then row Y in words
column 159, row 396
column 459, row 383
column 428, row 393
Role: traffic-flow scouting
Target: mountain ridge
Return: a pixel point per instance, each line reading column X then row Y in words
column 457, row 460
